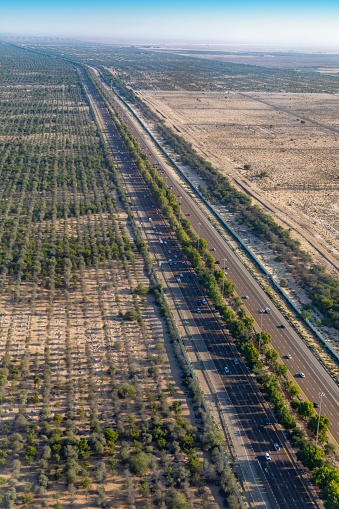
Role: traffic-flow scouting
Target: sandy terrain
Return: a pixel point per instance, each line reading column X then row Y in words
column 291, row 142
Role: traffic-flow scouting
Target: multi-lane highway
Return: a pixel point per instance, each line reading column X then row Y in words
column 277, row 483
column 285, row 340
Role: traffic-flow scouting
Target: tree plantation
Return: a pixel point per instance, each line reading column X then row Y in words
column 90, row 413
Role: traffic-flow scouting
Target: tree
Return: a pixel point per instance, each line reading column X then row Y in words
column 324, row 424
column 250, row 353
column 271, row 355
column 311, row 455
column 265, row 338
column 141, row 289
column 27, row 498
column 86, row 483
column 280, row 369
column 126, row 390
column 179, row 501
column 30, row 453
column 305, row 409
column 291, row 387
column 139, row 462
column 327, row 479
column 131, row 315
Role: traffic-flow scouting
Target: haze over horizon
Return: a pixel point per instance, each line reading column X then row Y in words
column 219, row 21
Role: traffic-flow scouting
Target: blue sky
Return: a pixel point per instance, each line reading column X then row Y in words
column 299, row 22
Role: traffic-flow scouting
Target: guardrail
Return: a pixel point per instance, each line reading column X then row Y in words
column 227, row 226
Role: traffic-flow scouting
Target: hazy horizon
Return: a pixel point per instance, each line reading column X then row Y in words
column 284, row 23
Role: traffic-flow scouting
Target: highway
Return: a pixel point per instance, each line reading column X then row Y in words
column 286, row 341
column 279, row 483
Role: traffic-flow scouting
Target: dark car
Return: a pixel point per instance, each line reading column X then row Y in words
column 281, row 326
column 267, row 421
column 217, row 262
column 315, row 404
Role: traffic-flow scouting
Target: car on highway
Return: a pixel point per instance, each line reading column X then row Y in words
column 281, row 326
column 301, row 374
column 267, row 311
column 236, row 361
column 213, row 249
column 276, row 447
column 226, row 369
column 315, row 404
column 288, row 356
column 266, row 421
column 245, row 297
column 217, row 262
column 267, row 457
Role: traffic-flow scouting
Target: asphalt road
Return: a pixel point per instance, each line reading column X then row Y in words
column 286, row 341
column 280, row 480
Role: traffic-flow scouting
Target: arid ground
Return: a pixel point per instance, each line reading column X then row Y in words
column 290, row 142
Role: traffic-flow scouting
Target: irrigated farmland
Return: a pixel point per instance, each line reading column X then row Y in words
column 90, row 414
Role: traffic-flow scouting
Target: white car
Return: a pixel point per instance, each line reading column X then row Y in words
column 267, row 457
column 276, row 447
column 289, row 356
column 198, row 310
column 301, row 374
column 181, row 275
column 226, row 369
column 178, row 280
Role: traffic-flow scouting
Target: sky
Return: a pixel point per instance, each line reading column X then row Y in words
column 285, row 22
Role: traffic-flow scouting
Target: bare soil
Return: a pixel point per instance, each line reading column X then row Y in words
column 290, row 141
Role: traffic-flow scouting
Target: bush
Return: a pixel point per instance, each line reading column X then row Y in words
column 179, row 501
column 131, row 315
column 139, row 462
column 126, row 390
